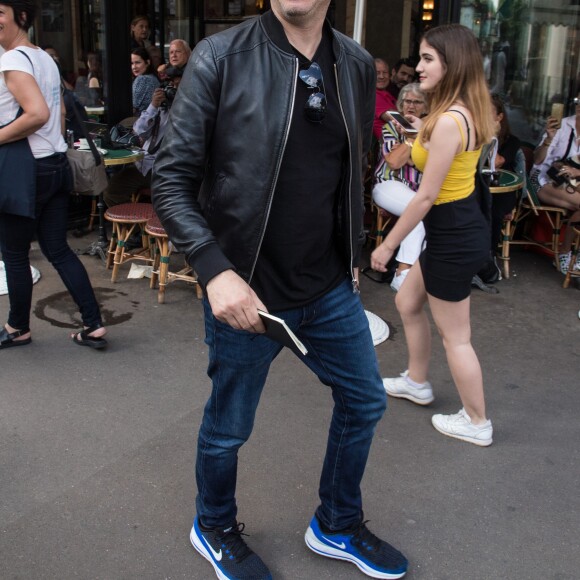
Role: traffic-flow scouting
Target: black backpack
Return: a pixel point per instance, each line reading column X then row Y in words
column 71, row 103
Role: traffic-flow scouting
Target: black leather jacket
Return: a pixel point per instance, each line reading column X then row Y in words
column 216, row 171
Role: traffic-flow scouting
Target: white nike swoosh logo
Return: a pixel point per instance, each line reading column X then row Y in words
column 342, row 545
column 216, row 555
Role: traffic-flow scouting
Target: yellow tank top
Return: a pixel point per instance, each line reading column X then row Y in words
column 459, row 182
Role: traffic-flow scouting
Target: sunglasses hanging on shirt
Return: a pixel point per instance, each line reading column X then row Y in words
column 315, row 107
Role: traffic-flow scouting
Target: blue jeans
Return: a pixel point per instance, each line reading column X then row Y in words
column 53, row 187
column 335, row 331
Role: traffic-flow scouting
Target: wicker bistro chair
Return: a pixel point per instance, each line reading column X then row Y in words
column 528, row 209
column 161, row 270
column 125, row 218
column 511, row 219
column 136, row 196
column 572, row 272
column 518, row 224
column 382, row 221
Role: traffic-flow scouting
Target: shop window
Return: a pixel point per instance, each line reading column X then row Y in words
column 531, row 56
column 233, row 8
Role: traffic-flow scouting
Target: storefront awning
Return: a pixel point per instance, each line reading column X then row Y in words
column 565, row 16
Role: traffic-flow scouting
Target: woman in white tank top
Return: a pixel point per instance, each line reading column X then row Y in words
column 30, row 82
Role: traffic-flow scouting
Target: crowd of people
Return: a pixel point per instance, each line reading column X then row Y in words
column 278, row 227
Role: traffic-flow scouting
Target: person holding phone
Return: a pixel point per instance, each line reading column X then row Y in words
column 447, row 150
column 397, row 178
column 564, row 144
column 552, row 125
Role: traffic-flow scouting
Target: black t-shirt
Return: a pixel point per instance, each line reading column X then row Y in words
column 299, row 260
column 508, row 150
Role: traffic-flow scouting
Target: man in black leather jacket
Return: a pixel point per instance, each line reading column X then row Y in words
column 259, row 183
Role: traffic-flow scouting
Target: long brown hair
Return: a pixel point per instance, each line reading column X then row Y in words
column 463, row 80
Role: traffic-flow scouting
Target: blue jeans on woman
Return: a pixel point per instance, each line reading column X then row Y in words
column 335, row 331
column 53, row 187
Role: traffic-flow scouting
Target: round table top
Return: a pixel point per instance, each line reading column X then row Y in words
column 508, row 181
column 122, row 156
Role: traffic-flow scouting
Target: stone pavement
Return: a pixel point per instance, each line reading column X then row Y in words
column 97, row 448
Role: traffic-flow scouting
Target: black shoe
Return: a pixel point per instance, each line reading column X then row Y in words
column 490, row 273
column 227, row 552
column 8, row 339
column 135, row 241
column 358, row 545
column 381, row 277
column 477, row 282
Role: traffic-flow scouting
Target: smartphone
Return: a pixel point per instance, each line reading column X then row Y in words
column 407, row 127
column 558, row 112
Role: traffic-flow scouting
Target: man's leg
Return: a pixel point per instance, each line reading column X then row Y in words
column 238, row 366
column 336, row 332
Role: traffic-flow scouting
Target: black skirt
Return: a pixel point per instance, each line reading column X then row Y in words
column 458, row 241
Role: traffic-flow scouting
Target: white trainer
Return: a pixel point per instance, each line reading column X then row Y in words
column 461, row 427
column 400, row 388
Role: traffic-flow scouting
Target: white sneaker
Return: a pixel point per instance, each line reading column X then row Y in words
column 565, row 260
column 400, row 388
column 399, row 279
column 461, row 427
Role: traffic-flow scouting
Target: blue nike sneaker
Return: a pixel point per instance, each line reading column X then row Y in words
column 361, row 547
column 228, row 553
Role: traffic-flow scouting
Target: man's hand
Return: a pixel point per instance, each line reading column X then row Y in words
column 158, row 98
column 233, row 302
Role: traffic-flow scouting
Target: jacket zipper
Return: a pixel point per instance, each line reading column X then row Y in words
column 355, row 287
column 276, row 175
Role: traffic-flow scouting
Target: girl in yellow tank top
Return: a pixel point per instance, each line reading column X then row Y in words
column 447, row 150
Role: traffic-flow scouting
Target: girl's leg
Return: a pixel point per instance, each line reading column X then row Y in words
column 453, row 324
column 410, row 302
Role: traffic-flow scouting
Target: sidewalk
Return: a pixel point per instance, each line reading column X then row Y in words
column 97, row 448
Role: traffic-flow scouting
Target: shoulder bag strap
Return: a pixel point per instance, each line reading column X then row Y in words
column 86, row 135
column 154, row 145
column 565, row 156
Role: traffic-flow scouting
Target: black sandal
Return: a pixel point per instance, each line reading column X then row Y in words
column 82, row 338
column 7, row 339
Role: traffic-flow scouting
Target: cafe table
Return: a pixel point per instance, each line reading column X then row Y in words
column 506, row 182
column 113, row 158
